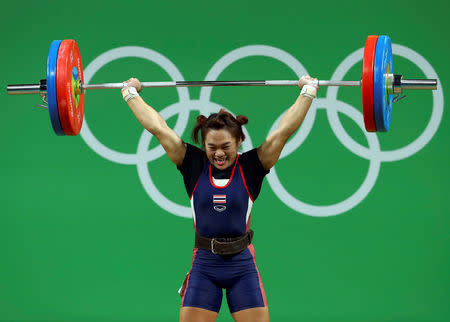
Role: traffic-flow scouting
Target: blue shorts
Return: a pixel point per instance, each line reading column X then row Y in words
column 238, row 275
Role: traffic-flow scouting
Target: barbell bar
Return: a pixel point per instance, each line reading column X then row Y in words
column 41, row 88
column 65, row 90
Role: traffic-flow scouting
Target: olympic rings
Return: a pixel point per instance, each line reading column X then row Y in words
column 182, row 108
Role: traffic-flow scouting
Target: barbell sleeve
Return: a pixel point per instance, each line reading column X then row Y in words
column 19, row 89
column 419, row 84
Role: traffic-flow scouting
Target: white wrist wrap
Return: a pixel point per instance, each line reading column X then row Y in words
column 129, row 92
column 309, row 91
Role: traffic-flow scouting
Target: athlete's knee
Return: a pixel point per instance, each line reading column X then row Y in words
column 195, row 314
column 256, row 314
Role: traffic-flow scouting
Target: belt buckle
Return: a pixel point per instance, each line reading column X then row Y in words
column 212, row 246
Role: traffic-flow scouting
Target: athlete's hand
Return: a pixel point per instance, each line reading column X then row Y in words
column 308, row 80
column 135, row 83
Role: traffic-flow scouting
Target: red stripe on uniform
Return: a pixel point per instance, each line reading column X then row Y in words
column 246, row 188
column 195, row 187
column 245, row 183
column 252, row 251
column 189, row 275
column 192, row 195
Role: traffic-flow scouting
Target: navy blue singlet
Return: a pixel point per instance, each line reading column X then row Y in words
column 223, row 211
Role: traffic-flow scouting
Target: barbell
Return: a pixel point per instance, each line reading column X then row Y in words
column 63, row 90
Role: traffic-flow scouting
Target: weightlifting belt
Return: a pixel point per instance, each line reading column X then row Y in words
column 224, row 246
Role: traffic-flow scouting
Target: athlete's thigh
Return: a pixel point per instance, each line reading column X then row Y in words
column 202, row 292
column 247, row 292
column 196, row 314
column 256, row 314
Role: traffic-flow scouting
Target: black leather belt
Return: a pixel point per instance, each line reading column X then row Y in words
column 224, row 246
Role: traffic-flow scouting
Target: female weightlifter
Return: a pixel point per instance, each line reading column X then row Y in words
column 222, row 186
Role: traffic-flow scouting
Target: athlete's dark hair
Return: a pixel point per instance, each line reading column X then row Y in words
column 218, row 121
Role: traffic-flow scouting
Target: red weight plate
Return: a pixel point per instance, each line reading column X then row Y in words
column 367, row 83
column 69, row 71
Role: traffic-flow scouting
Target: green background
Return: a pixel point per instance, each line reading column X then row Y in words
column 80, row 239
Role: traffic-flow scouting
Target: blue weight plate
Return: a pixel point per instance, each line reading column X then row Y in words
column 382, row 101
column 51, row 87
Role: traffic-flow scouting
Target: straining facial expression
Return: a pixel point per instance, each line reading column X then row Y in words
column 221, row 148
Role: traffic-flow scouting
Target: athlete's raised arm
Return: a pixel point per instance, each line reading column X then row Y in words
column 153, row 122
column 270, row 150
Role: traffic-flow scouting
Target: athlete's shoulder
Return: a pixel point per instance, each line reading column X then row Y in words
column 192, row 166
column 193, row 154
column 253, row 171
column 249, row 160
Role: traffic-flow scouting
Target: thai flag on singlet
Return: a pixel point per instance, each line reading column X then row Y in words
column 219, row 198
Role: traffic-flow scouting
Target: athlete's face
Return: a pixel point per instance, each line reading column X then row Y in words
column 221, row 148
